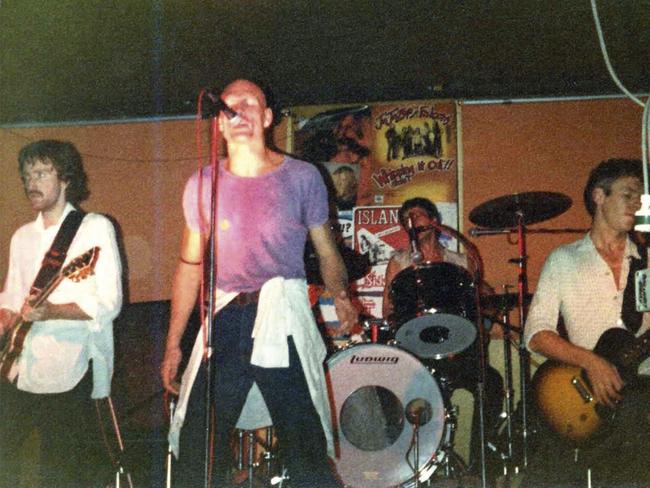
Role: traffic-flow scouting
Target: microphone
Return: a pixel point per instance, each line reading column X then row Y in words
column 416, row 255
column 419, row 411
column 218, row 105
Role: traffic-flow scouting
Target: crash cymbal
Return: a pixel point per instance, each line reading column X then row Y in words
column 535, row 206
column 503, row 301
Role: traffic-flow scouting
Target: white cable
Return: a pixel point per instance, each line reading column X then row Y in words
column 643, row 214
column 603, row 48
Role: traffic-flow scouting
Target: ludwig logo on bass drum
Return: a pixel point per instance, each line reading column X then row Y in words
column 373, row 359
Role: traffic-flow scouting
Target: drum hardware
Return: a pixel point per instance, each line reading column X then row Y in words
column 375, row 327
column 248, row 458
column 511, row 214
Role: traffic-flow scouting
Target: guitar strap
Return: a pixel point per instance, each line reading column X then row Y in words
column 631, row 318
column 55, row 256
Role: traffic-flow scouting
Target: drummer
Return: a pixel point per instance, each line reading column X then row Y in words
column 420, row 216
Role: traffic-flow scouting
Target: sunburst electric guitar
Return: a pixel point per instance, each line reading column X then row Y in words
column 564, row 394
column 77, row 270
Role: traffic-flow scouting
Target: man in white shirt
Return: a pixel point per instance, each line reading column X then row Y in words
column 586, row 283
column 66, row 358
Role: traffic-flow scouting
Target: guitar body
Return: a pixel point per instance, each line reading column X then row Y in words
column 564, row 395
column 13, row 347
column 77, row 270
column 561, row 404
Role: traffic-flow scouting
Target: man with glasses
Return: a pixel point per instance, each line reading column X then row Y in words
column 66, row 359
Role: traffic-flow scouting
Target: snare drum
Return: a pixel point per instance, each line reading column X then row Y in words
column 378, row 393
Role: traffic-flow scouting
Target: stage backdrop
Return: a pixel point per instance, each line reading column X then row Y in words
column 375, row 157
column 137, row 170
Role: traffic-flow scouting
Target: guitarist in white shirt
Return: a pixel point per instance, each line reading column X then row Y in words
column 584, row 282
column 66, row 357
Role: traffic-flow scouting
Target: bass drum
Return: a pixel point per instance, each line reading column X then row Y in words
column 378, row 394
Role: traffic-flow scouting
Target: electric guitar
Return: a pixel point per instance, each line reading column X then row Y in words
column 78, row 269
column 564, row 394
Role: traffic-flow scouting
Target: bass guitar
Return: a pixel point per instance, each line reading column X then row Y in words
column 78, row 269
column 564, row 395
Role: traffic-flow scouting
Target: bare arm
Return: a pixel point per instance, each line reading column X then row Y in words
column 392, row 269
column 605, row 381
column 334, row 276
column 185, row 291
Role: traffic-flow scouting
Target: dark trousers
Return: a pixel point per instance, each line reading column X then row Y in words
column 464, row 372
column 492, row 404
column 617, row 456
column 70, row 447
column 301, row 441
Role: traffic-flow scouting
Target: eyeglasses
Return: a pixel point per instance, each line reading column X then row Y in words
column 36, row 175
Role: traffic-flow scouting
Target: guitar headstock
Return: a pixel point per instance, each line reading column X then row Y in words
column 82, row 266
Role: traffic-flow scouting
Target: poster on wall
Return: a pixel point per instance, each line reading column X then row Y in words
column 373, row 158
column 377, row 233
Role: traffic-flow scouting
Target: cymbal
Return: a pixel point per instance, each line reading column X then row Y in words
column 503, row 301
column 535, row 206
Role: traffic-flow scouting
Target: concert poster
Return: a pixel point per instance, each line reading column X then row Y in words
column 373, row 158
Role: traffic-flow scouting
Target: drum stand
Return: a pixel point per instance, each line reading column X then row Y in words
column 247, row 441
column 506, row 455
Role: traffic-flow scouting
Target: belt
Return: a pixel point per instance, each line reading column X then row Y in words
column 246, row 298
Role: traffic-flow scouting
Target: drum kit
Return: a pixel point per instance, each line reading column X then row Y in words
column 393, row 421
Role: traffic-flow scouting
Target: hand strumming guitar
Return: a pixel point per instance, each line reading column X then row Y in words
column 606, row 382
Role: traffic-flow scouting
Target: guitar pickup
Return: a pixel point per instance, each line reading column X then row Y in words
column 582, row 389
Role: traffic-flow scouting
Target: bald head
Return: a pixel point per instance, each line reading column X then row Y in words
column 240, row 87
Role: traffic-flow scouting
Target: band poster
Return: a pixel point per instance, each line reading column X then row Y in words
column 375, row 157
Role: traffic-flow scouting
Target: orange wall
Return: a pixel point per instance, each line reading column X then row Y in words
column 539, row 147
column 137, row 172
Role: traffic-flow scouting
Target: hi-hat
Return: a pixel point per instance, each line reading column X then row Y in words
column 529, row 207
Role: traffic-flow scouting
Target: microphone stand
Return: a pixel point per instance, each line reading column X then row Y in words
column 213, row 114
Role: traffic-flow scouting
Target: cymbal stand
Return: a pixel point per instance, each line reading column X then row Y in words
column 504, row 321
column 508, row 383
column 524, row 356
